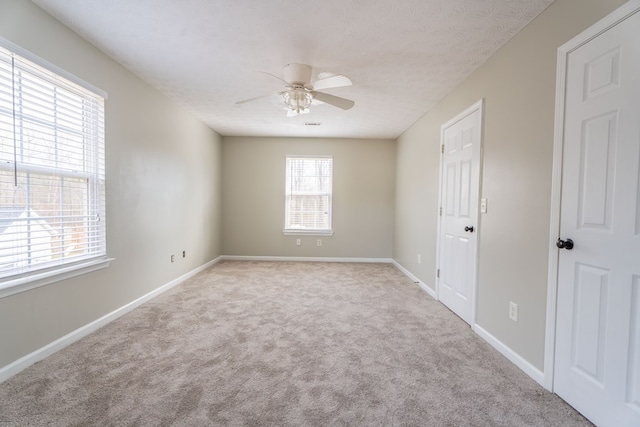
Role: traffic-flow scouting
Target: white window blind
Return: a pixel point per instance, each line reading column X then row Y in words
column 52, row 177
column 308, row 193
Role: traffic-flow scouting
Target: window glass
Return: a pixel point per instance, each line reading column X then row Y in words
column 52, row 179
column 308, row 193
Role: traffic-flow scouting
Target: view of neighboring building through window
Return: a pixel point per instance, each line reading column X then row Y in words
column 308, row 193
column 52, row 178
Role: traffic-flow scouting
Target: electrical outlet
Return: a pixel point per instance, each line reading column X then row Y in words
column 319, row 242
column 184, row 254
column 513, row 311
column 298, row 242
column 419, row 259
column 172, row 258
column 483, row 205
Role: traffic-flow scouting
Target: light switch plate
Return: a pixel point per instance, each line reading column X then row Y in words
column 483, row 205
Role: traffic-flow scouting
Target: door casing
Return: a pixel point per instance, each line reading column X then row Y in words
column 592, row 32
column 478, row 105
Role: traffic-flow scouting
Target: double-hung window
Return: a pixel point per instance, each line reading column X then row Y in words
column 308, row 194
column 52, row 177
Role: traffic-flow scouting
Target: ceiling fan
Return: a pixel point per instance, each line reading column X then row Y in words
column 300, row 92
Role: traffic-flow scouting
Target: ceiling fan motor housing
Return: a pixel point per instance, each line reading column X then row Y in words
column 297, row 74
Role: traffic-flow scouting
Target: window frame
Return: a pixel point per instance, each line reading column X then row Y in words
column 51, row 273
column 303, row 231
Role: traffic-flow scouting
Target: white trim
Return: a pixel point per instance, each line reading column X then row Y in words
column 511, row 355
column 406, row 272
column 304, row 259
column 554, row 224
column 414, row 279
column 319, row 232
column 7, row 44
column 24, row 362
column 294, row 232
column 310, row 156
column 17, row 366
column 507, row 352
column 36, row 280
column 478, row 105
column 626, row 10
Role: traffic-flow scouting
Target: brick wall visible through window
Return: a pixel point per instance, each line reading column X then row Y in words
column 308, row 193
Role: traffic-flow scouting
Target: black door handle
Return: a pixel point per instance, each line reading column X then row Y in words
column 469, row 229
column 565, row 244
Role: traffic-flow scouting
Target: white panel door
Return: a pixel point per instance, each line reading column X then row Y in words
column 597, row 363
column 460, row 184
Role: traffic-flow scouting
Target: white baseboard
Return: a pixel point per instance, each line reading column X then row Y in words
column 24, row 362
column 415, row 280
column 507, row 352
column 15, row 367
column 303, row 259
column 513, row 357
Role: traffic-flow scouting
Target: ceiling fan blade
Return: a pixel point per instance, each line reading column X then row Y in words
column 333, row 81
column 336, row 101
column 254, row 99
column 286, row 83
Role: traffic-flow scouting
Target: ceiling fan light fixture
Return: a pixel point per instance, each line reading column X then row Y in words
column 297, row 100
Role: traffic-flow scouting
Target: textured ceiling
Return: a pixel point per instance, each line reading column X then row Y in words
column 403, row 56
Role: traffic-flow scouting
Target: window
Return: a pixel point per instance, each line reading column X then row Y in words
column 52, row 178
column 308, row 194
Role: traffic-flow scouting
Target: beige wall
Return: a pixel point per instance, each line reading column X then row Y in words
column 166, row 191
column 253, row 197
column 163, row 191
column 518, row 85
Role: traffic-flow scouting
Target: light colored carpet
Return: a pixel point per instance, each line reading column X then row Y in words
column 283, row 344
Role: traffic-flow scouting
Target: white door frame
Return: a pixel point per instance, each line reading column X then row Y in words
column 478, row 105
column 592, row 32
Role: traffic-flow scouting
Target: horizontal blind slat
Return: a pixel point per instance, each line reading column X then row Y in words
column 308, row 193
column 55, row 213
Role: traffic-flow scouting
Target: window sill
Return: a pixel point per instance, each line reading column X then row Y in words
column 38, row 279
column 308, row 232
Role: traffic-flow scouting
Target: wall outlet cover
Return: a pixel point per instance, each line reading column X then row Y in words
column 513, row 311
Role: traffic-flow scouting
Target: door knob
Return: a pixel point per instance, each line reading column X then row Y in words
column 469, row 229
column 565, row 244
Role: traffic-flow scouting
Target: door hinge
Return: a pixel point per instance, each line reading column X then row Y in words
column 438, row 273
column 442, row 148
